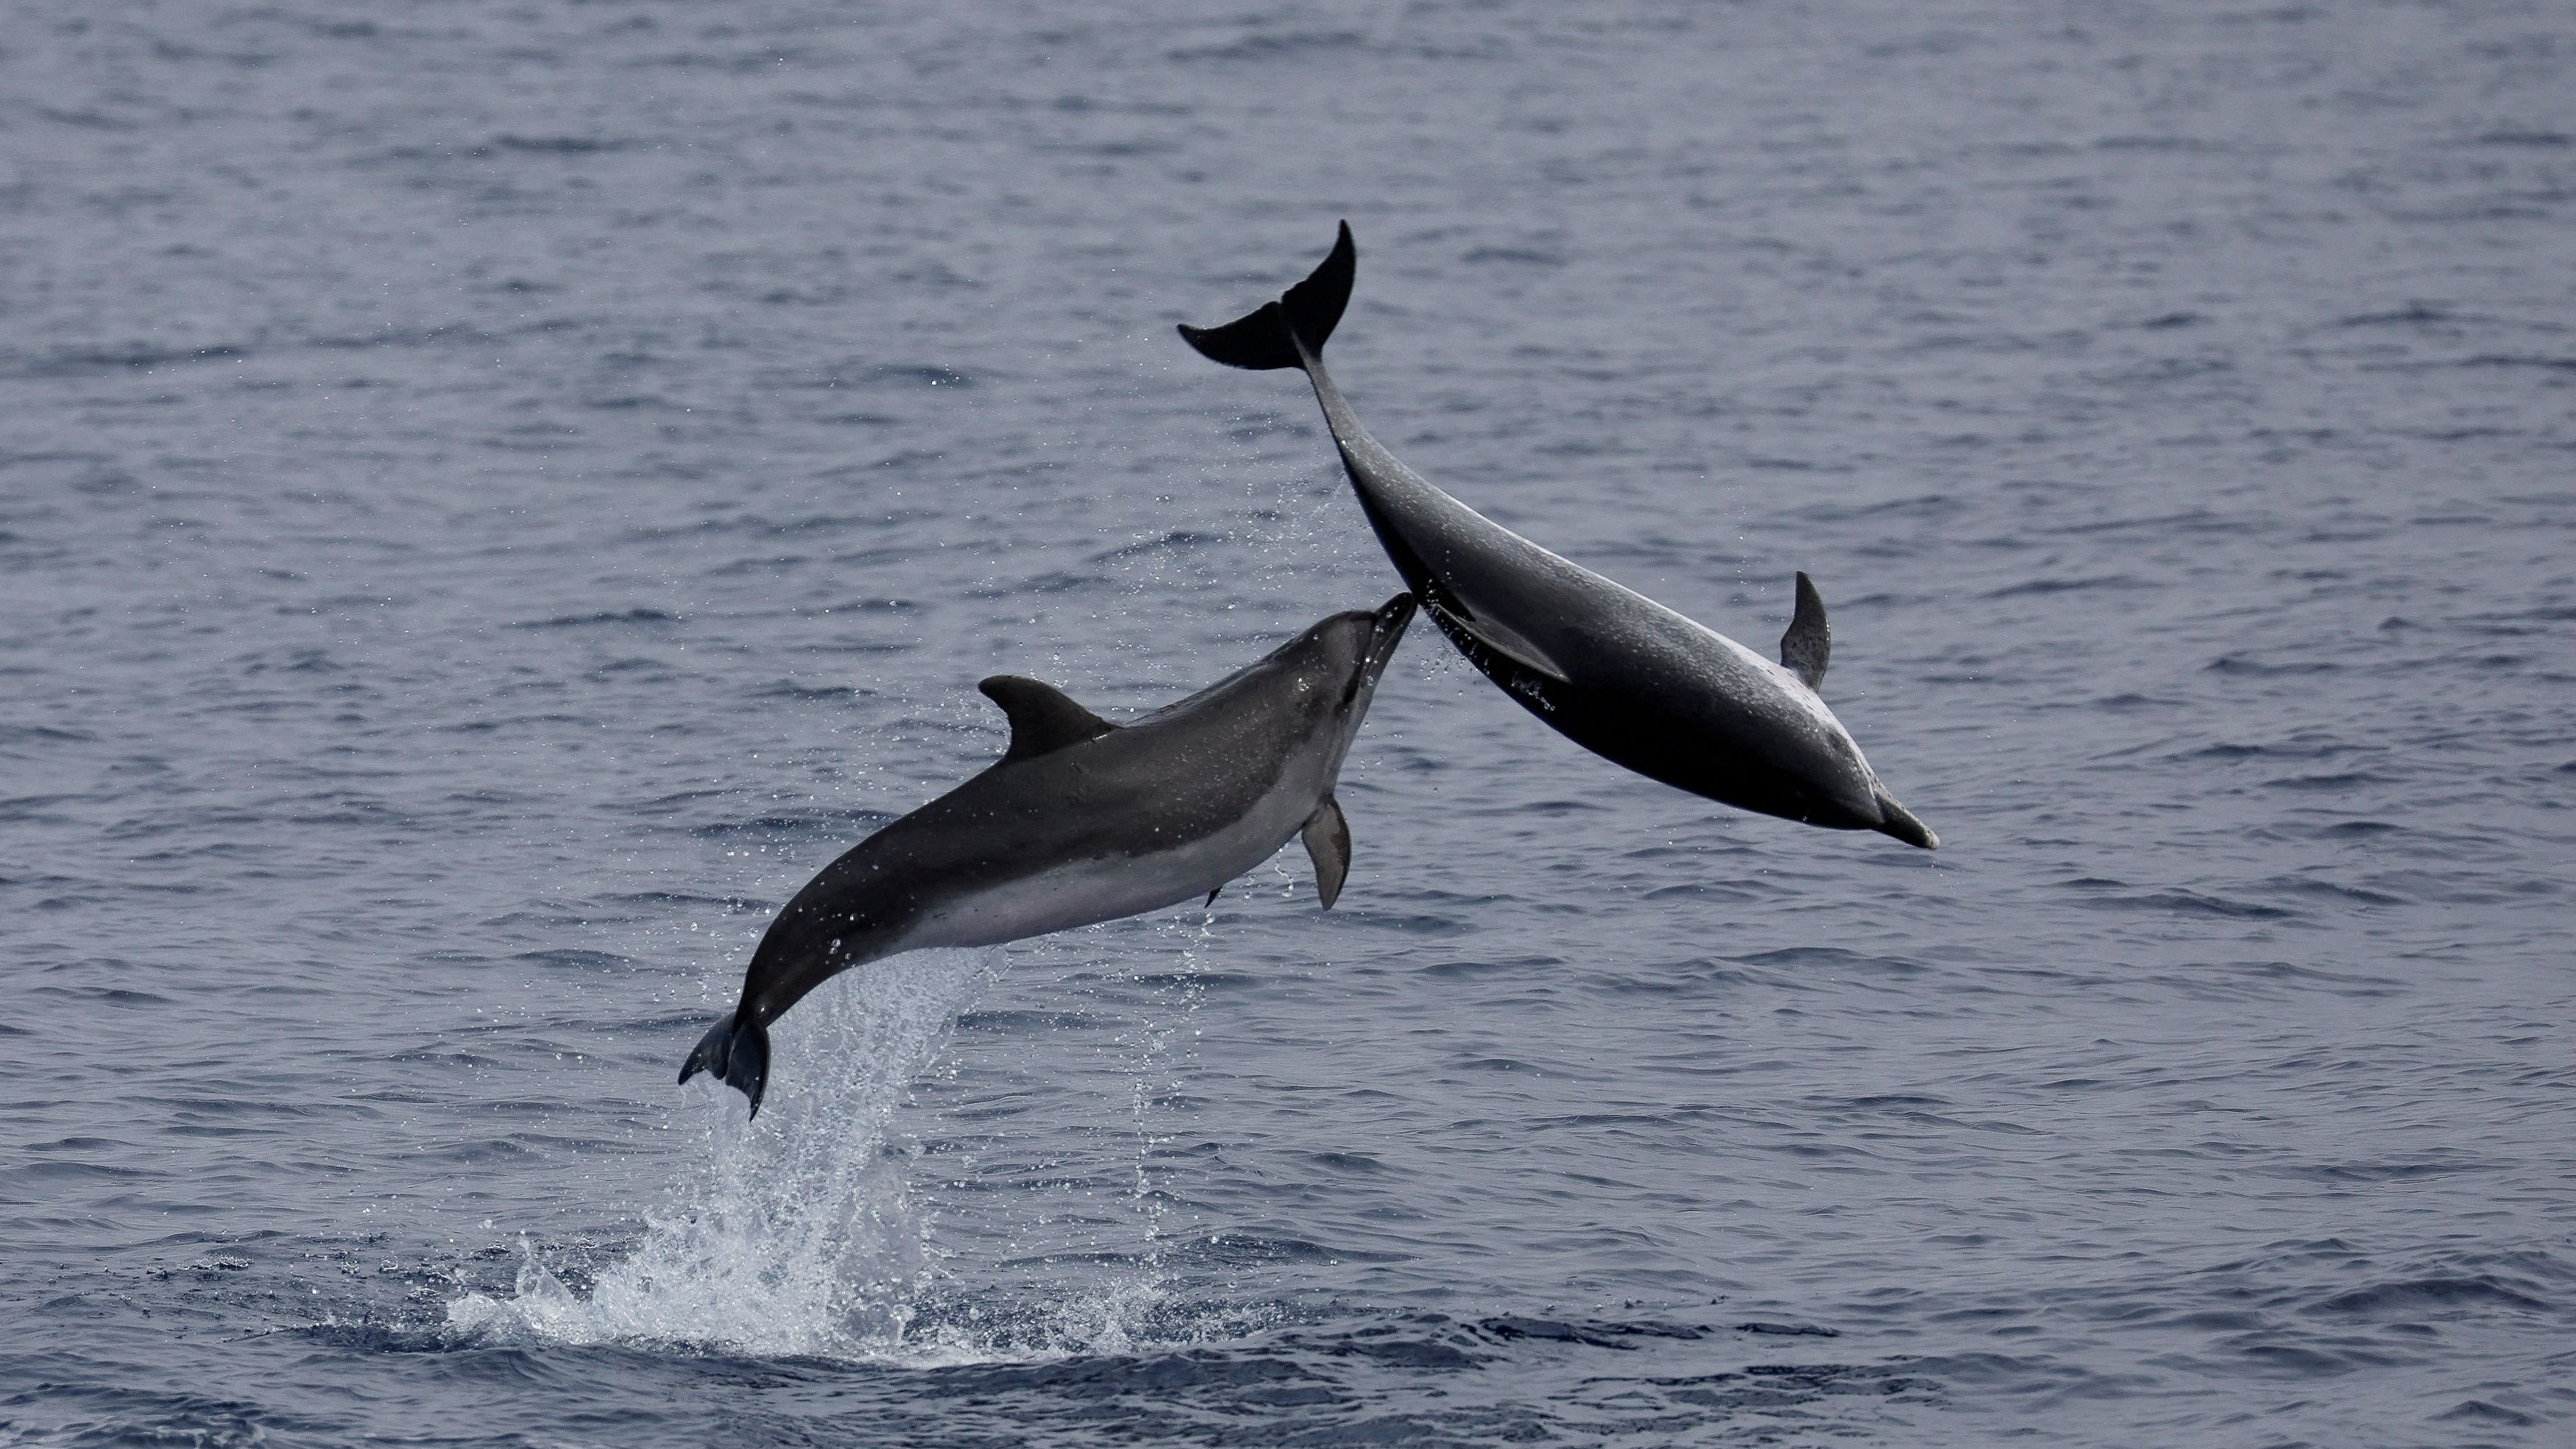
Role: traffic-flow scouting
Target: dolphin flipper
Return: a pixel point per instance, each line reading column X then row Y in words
column 1896, row 820
column 737, row 1051
column 1804, row 648
column 1497, row 639
column 1268, row 337
column 1328, row 844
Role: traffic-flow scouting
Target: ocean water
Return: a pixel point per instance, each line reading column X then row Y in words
column 494, row 495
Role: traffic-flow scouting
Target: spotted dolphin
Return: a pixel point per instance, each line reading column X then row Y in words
column 1083, row 821
column 1609, row 668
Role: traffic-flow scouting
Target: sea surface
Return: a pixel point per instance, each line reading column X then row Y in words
column 493, row 496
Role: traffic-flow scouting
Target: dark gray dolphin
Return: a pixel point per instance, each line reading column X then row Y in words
column 1083, row 821
column 1611, row 669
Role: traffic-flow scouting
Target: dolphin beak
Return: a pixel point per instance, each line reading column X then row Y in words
column 1387, row 629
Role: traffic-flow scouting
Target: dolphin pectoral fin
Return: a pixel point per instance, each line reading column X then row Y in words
column 1498, row 639
column 1896, row 820
column 1211, row 900
column 1328, row 844
column 1043, row 718
column 1268, row 337
column 1807, row 644
column 737, row 1052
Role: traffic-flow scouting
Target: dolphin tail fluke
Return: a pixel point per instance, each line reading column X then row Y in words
column 737, row 1051
column 1269, row 336
column 1896, row 820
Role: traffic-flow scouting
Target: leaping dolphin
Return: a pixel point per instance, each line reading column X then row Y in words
column 1609, row 668
column 1083, row 821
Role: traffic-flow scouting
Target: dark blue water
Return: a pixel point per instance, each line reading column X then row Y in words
column 493, row 496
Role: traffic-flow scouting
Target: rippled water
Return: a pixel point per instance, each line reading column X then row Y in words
column 492, row 497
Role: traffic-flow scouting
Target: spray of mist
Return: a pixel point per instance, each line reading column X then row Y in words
column 796, row 1234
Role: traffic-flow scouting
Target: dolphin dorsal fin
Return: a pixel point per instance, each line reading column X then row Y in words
column 1804, row 648
column 1043, row 718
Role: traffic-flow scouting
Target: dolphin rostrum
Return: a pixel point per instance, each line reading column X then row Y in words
column 1611, row 669
column 1083, row 821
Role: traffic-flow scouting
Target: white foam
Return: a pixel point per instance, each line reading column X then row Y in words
column 797, row 1235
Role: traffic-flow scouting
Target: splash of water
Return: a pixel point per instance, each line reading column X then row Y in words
column 1154, row 1073
column 798, row 1235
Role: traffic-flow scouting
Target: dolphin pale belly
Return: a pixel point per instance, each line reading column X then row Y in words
column 1611, row 669
column 1083, row 821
